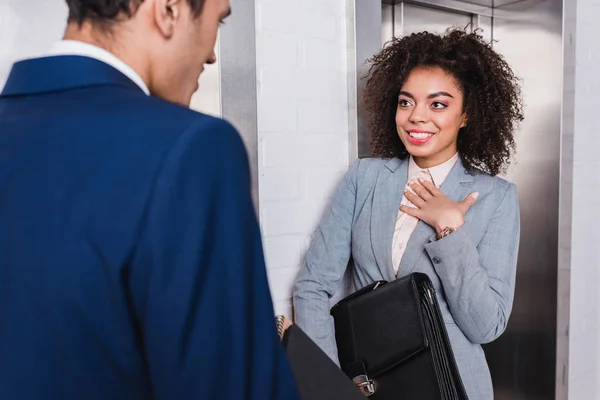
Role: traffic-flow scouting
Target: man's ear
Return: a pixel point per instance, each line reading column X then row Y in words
column 166, row 15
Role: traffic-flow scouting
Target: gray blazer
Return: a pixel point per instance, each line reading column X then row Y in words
column 473, row 269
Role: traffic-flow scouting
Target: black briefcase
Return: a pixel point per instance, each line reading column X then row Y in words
column 392, row 342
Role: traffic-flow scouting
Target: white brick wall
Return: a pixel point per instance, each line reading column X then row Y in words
column 584, row 328
column 302, row 126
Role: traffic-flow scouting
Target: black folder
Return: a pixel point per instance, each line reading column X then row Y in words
column 317, row 377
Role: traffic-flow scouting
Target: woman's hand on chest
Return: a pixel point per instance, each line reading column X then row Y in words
column 436, row 209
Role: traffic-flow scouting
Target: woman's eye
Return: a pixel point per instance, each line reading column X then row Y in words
column 438, row 105
column 404, row 103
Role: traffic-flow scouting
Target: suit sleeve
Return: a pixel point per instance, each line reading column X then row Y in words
column 479, row 282
column 324, row 266
column 198, row 279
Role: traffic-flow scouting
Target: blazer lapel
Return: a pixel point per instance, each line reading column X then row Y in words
column 457, row 186
column 387, row 196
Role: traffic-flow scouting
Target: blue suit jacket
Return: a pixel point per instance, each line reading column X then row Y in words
column 131, row 264
column 473, row 269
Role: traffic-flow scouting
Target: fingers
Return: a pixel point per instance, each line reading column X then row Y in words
column 431, row 188
column 415, row 212
column 421, row 191
column 415, row 199
column 469, row 201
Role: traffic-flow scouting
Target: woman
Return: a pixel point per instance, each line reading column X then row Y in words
column 443, row 111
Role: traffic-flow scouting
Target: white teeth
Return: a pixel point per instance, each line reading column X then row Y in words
column 420, row 135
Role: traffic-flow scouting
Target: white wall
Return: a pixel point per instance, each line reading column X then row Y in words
column 582, row 31
column 302, row 126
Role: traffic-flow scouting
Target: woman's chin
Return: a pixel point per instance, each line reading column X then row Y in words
column 418, row 151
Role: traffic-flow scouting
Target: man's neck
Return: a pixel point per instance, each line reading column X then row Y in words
column 110, row 41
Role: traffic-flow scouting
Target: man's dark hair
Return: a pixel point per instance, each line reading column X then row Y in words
column 108, row 11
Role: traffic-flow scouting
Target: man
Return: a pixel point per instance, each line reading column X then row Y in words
column 131, row 264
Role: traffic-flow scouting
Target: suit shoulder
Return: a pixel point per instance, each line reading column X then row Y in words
column 372, row 162
column 496, row 181
column 154, row 109
column 182, row 124
column 494, row 184
column 370, row 166
column 213, row 135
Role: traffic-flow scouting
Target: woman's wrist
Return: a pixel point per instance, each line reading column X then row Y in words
column 446, row 232
column 452, row 224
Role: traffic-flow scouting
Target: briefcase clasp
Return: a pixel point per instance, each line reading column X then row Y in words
column 364, row 384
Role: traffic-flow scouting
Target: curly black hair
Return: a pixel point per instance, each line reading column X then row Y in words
column 491, row 92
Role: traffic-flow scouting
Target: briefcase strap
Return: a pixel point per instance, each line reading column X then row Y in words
column 360, row 378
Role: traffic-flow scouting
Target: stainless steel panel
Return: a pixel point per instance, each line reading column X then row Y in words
column 452, row 5
column 493, row 3
column 238, row 80
column 398, row 19
column 352, row 80
column 367, row 16
column 387, row 22
column 523, row 359
column 487, row 3
column 418, row 18
column 458, row 4
column 566, row 202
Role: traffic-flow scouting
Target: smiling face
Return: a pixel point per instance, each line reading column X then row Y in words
column 429, row 115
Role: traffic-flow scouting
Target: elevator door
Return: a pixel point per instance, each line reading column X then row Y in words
column 528, row 34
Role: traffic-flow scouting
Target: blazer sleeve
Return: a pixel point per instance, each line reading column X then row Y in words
column 198, row 279
column 324, row 266
column 479, row 282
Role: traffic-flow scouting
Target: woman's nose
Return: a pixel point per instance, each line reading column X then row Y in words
column 418, row 115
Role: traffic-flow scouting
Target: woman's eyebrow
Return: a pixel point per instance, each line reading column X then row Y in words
column 431, row 96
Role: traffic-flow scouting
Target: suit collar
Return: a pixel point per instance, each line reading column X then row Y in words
column 438, row 173
column 78, row 48
column 58, row 73
column 394, row 163
column 459, row 172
